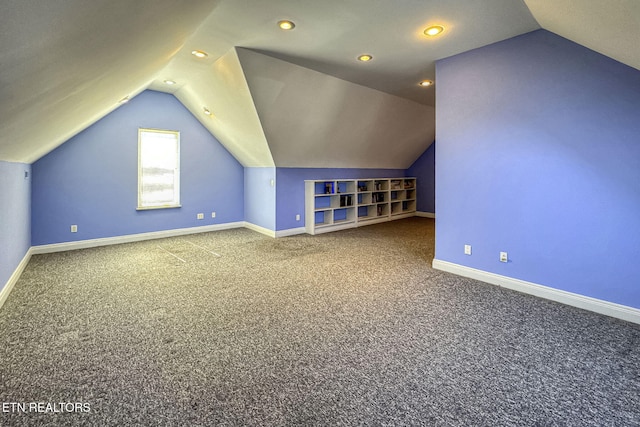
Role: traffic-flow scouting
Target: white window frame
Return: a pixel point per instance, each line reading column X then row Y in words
column 175, row 203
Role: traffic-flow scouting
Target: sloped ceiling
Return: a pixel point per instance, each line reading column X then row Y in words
column 222, row 89
column 312, row 119
column 610, row 27
column 66, row 63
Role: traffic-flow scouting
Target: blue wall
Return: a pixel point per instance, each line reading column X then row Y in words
column 260, row 197
column 290, row 189
column 91, row 180
column 15, row 228
column 539, row 155
column 424, row 169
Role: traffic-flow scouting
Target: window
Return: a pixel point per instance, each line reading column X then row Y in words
column 158, row 169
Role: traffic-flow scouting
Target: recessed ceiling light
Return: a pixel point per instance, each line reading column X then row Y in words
column 124, row 100
column 170, row 82
column 207, row 111
column 286, row 25
column 433, row 30
column 365, row 58
column 426, row 83
column 199, row 53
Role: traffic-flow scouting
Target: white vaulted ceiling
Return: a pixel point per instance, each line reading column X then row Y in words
column 312, row 119
column 66, row 63
column 610, row 27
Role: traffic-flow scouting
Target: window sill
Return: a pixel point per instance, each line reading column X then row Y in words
column 151, row 208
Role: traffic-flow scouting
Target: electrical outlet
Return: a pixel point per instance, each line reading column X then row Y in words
column 298, row 217
column 213, row 214
column 200, row 216
column 467, row 249
column 74, row 228
column 504, row 257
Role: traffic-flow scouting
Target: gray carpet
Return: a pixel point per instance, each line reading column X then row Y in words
column 348, row 328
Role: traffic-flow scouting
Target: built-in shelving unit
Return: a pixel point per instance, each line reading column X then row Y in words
column 332, row 205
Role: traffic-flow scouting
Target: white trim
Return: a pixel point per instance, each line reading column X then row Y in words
column 394, row 217
column 291, row 232
column 92, row 243
column 426, row 214
column 335, row 227
column 373, row 220
column 607, row 308
column 260, row 229
column 6, row 290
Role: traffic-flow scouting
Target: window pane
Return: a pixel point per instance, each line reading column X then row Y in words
column 159, row 173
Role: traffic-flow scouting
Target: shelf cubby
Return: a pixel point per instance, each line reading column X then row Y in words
column 409, row 206
column 365, row 186
column 323, row 218
column 379, row 197
column 396, row 208
column 346, row 200
column 364, row 211
column 345, row 186
column 395, row 184
column 364, row 198
column 398, row 195
column 322, row 202
column 380, row 185
column 382, row 209
column 344, row 215
column 324, row 187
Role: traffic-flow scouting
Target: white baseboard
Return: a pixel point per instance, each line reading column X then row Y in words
column 607, row 308
column 260, row 229
column 291, row 232
column 6, row 290
column 426, row 214
column 92, row 243
column 394, row 217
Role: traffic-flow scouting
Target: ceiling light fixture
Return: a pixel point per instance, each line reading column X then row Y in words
column 433, row 30
column 207, row 111
column 199, row 53
column 426, row 83
column 365, row 58
column 124, row 100
column 170, row 82
column 286, row 25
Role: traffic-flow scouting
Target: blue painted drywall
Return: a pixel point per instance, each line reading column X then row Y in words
column 15, row 213
column 539, row 155
column 260, row 197
column 424, row 169
column 91, row 180
column 290, row 189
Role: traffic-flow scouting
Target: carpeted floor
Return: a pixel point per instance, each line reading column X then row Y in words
column 348, row 328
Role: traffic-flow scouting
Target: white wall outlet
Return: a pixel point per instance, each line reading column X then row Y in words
column 504, row 257
column 200, row 216
column 467, row 249
column 213, row 214
column 74, row 228
column 298, row 217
